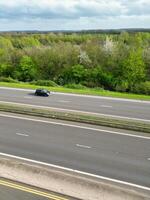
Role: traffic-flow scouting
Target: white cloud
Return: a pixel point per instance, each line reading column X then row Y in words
column 74, row 13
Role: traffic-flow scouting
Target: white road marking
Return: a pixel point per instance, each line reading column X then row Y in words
column 27, row 97
column 21, row 134
column 106, row 106
column 75, row 126
column 83, row 146
column 76, row 171
column 76, row 111
column 148, row 159
column 82, row 95
column 63, row 101
column 17, row 89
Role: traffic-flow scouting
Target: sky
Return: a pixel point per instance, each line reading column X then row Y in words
column 73, row 14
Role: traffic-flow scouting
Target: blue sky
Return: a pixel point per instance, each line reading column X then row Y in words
column 73, row 14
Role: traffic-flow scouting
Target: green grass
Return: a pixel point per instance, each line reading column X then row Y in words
column 86, row 91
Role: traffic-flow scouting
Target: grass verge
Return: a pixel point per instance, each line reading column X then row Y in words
column 86, row 91
column 76, row 117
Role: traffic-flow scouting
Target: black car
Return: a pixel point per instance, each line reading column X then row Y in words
column 42, row 92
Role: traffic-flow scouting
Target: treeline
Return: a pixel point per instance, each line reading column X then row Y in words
column 118, row 62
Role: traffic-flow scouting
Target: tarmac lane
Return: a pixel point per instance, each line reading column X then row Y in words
column 10, row 190
column 95, row 105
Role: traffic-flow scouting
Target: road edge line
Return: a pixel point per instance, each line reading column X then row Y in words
column 68, row 181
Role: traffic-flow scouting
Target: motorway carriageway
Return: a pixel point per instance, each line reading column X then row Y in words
column 114, row 154
column 103, row 106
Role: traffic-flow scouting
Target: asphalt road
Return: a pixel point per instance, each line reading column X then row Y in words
column 114, row 155
column 10, row 190
column 99, row 105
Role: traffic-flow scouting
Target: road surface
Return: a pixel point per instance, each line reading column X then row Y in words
column 117, row 155
column 98, row 105
column 10, row 190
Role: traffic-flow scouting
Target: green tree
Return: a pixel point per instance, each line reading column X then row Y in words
column 76, row 74
column 99, row 78
column 134, row 68
column 22, row 42
column 6, row 70
column 26, row 70
column 5, row 43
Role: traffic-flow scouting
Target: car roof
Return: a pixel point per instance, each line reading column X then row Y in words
column 41, row 90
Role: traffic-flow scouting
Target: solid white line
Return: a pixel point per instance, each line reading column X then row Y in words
column 75, row 111
column 83, row 95
column 75, row 126
column 17, row 89
column 77, row 171
column 21, row 134
column 83, row 146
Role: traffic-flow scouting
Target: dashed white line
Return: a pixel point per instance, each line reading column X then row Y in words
column 22, row 134
column 63, row 101
column 26, row 97
column 75, row 126
column 75, row 111
column 106, row 106
column 83, row 146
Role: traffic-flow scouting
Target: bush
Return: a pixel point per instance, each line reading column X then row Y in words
column 8, row 79
column 74, row 74
column 26, row 70
column 122, row 86
column 142, row 88
column 44, row 83
column 98, row 89
column 75, row 86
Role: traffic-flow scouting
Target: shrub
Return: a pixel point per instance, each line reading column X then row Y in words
column 122, row 86
column 74, row 74
column 26, row 70
column 8, row 79
column 98, row 89
column 142, row 88
column 75, row 86
column 98, row 78
column 44, row 83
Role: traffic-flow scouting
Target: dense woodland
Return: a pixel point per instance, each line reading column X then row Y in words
column 117, row 62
